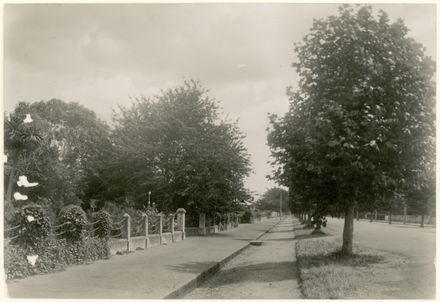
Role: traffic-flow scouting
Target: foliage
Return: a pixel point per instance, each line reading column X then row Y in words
column 246, row 217
column 103, row 224
column 360, row 128
column 64, row 143
column 176, row 146
column 53, row 255
column 117, row 212
column 319, row 220
column 33, row 225
column 72, row 221
column 270, row 201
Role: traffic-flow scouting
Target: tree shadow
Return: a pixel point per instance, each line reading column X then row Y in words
column 310, row 235
column 262, row 272
column 193, row 266
column 280, row 239
column 282, row 231
column 339, row 259
column 302, row 228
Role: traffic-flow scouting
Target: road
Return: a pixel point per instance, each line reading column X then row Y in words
column 260, row 272
column 417, row 244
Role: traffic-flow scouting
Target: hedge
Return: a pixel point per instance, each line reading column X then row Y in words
column 53, row 255
column 72, row 220
column 103, row 224
column 33, row 225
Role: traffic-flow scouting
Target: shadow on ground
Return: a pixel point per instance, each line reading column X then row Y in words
column 193, row 267
column 261, row 272
column 310, row 235
column 279, row 239
column 281, row 231
column 266, row 272
column 336, row 258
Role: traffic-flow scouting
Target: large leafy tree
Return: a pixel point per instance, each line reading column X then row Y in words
column 57, row 149
column 360, row 128
column 176, row 146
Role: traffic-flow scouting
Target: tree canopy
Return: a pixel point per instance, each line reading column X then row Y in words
column 360, row 127
column 56, row 148
column 176, row 146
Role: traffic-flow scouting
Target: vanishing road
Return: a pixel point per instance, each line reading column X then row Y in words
column 260, row 272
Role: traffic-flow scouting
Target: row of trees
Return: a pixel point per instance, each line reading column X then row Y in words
column 360, row 130
column 174, row 145
column 273, row 199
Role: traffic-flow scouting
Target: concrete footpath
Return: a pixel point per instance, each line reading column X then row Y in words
column 160, row 272
column 260, row 272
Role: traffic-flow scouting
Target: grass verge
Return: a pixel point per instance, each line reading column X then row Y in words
column 325, row 274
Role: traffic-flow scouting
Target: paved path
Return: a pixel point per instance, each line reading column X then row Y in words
column 150, row 274
column 260, row 272
column 418, row 244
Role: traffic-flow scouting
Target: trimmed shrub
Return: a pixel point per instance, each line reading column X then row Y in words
column 33, row 227
column 246, row 217
column 53, row 255
column 103, row 224
column 72, row 221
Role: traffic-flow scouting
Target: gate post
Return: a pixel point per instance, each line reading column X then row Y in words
column 181, row 221
column 202, row 224
column 127, row 230
column 145, row 223
column 160, row 227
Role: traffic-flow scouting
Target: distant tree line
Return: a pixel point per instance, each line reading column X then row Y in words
column 174, row 145
column 272, row 199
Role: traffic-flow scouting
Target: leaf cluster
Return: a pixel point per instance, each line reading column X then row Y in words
column 360, row 127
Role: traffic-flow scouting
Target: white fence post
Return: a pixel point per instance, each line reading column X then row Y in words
column 128, row 230
column 145, row 223
column 181, row 221
column 160, row 227
column 172, row 226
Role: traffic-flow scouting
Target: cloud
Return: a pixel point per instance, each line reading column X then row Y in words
column 100, row 94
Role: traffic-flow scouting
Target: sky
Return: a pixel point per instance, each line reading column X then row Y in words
column 103, row 55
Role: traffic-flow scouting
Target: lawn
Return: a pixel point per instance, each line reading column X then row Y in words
column 368, row 274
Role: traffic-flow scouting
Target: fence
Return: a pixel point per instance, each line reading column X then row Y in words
column 125, row 238
column 410, row 219
column 210, row 225
column 163, row 231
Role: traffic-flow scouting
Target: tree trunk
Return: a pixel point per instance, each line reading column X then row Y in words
column 404, row 214
column 371, row 216
column 357, row 215
column 389, row 217
column 422, row 224
column 10, row 185
column 347, row 236
column 309, row 219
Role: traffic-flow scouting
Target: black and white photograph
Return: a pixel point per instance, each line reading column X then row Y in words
column 227, row 150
